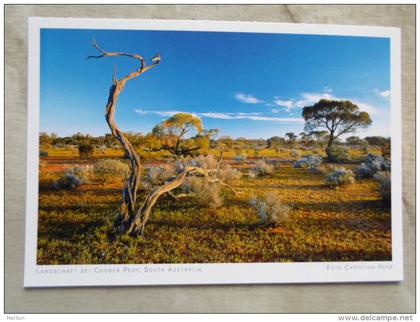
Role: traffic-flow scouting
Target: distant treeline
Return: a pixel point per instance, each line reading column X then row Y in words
column 315, row 138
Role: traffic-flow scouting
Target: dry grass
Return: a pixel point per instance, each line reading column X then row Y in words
column 349, row 223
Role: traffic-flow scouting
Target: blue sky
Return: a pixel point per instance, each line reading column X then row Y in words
column 251, row 85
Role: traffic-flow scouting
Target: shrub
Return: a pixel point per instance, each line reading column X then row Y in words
column 68, row 181
column 85, row 149
column 371, row 165
column 206, row 194
column 384, row 178
column 82, row 172
column 239, row 158
column 271, row 209
column 311, row 162
column 158, row 175
column 205, row 162
column 108, row 169
column 338, row 154
column 42, row 164
column 262, row 168
column 339, row 176
column 294, row 153
column 227, row 173
column 43, row 154
column 251, row 174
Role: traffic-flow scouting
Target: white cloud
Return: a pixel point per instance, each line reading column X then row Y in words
column 253, row 116
column 366, row 107
column 312, row 98
column 160, row 113
column 316, row 97
column 328, row 89
column 248, row 98
column 223, row 116
column 272, row 119
column 384, row 94
column 288, row 104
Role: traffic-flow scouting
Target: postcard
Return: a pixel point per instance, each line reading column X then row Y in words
column 166, row 152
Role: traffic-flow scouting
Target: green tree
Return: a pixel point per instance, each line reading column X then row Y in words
column 355, row 140
column 172, row 135
column 291, row 137
column 275, row 142
column 338, row 117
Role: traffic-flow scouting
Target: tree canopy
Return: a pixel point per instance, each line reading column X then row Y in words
column 172, row 134
column 338, row 117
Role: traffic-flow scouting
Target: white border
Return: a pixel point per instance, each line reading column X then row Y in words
column 250, row 273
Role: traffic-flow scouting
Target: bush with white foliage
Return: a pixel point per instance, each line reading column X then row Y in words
column 226, row 173
column 262, row 168
column 205, row 193
column 371, row 165
column 340, row 176
column 311, row 162
column 82, row 172
column 271, row 209
column 384, row 178
column 204, row 162
column 68, row 181
column 158, row 175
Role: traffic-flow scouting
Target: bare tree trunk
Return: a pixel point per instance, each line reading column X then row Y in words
column 128, row 220
column 127, row 208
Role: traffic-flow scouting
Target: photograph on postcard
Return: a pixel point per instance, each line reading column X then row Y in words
column 204, row 147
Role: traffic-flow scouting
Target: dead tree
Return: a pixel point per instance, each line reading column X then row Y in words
column 128, row 219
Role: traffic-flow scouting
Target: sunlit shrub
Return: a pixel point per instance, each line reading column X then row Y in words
column 251, row 174
column 384, row 178
column 311, row 162
column 205, row 193
column 42, row 164
column 337, row 154
column 67, row 181
column 109, row 170
column 158, row 175
column 339, row 176
column 82, row 172
column 227, row 173
column 271, row 209
column 294, row 153
column 262, row 168
column 371, row 165
column 205, row 162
